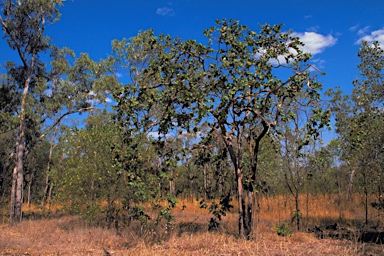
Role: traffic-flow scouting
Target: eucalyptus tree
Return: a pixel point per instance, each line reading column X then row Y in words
column 299, row 143
column 45, row 91
column 235, row 83
column 359, row 119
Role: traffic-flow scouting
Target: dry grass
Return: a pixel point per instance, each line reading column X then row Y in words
column 69, row 235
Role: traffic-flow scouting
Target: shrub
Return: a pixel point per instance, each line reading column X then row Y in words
column 283, row 230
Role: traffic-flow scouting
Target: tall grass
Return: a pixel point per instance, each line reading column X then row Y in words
column 70, row 235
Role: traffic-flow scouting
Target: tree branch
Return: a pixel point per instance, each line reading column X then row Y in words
column 64, row 115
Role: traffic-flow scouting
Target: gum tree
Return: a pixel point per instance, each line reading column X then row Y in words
column 359, row 118
column 45, row 91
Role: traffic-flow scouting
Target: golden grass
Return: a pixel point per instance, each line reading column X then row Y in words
column 69, row 235
column 321, row 208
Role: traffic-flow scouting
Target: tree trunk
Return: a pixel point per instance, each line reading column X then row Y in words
column 45, row 193
column 19, row 178
column 221, row 182
column 172, row 189
column 47, row 179
column 29, row 193
column 240, row 190
column 253, row 201
column 250, row 215
column 241, row 203
column 49, row 196
column 297, row 214
column 205, row 181
column 350, row 183
column 366, row 204
column 18, row 173
column 13, row 197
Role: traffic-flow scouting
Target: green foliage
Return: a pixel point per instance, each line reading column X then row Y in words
column 283, row 229
column 86, row 175
column 359, row 119
column 232, row 81
column 296, row 215
column 44, row 93
column 165, row 212
column 218, row 209
column 138, row 213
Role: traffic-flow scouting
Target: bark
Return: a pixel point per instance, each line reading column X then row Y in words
column 205, row 182
column 172, row 189
column 350, row 185
column 29, row 193
column 253, row 206
column 47, row 179
column 49, row 196
column 18, row 173
column 13, row 197
column 241, row 202
column 240, row 191
column 297, row 210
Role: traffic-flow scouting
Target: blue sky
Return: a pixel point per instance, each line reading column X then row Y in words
column 331, row 30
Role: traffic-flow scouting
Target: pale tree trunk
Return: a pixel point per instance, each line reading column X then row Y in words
column 350, row 181
column 350, row 185
column 49, row 198
column 18, row 173
column 20, row 177
column 17, row 180
column 239, row 180
column 241, row 203
column 13, row 197
column 29, row 193
column 48, row 185
column 172, row 189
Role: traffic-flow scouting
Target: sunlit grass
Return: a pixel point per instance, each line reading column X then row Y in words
column 71, row 235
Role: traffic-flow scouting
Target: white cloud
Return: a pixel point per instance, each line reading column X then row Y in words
column 165, row 11
column 377, row 35
column 363, row 31
column 360, row 31
column 315, row 43
column 354, row 28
